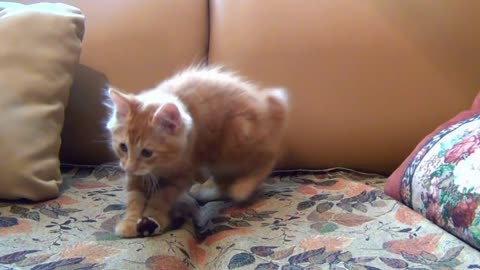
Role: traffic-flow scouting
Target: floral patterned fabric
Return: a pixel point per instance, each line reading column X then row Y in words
column 442, row 182
column 334, row 219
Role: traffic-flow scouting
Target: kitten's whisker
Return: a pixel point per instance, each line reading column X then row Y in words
column 156, row 185
column 152, row 181
column 144, row 182
column 149, row 183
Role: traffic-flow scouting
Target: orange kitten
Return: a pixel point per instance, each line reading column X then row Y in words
column 202, row 122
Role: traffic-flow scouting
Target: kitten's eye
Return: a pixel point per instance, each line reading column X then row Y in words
column 123, row 147
column 146, row 153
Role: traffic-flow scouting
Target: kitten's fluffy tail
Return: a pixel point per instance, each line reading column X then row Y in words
column 278, row 105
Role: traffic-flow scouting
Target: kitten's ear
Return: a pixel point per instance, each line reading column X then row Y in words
column 168, row 118
column 120, row 101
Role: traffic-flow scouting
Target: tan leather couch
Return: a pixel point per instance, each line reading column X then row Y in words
column 368, row 78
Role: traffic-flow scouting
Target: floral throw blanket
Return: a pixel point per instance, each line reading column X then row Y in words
column 335, row 219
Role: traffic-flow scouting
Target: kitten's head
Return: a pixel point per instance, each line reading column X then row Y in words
column 147, row 135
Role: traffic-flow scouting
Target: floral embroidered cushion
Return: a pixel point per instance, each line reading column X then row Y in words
column 441, row 177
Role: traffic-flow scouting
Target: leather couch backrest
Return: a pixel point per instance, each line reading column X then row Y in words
column 369, row 79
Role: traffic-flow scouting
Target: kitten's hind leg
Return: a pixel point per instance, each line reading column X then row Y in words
column 243, row 188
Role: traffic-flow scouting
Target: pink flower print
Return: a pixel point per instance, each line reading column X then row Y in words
column 462, row 149
column 464, row 213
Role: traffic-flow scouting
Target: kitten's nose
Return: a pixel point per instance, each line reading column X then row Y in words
column 130, row 168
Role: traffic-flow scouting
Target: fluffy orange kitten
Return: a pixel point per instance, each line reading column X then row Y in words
column 202, row 122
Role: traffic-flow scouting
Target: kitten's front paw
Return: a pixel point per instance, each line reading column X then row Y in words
column 126, row 228
column 147, row 226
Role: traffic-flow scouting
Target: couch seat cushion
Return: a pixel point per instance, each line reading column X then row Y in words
column 305, row 220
